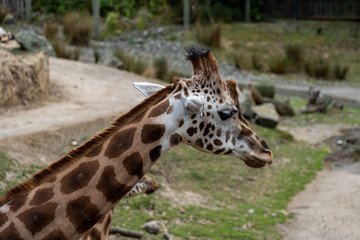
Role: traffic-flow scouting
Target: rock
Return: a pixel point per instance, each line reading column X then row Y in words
column 32, row 42
column 110, row 60
column 246, row 102
column 23, row 78
column 266, row 115
column 282, row 108
column 2, row 31
column 152, row 227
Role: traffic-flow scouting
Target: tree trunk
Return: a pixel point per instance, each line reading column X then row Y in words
column 247, row 10
column 96, row 18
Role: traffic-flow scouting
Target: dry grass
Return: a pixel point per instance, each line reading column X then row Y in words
column 50, row 30
column 63, row 51
column 318, row 68
column 131, row 63
column 77, row 28
column 161, row 68
column 279, row 65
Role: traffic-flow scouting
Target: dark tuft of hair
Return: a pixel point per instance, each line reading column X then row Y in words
column 196, row 52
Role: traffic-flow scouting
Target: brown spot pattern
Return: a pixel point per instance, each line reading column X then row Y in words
column 191, row 131
column 219, row 151
column 218, row 133
column 160, row 108
column 181, row 122
column 10, row 233
column 209, row 147
column 95, row 152
column 18, row 203
column 227, row 134
column 201, row 126
column 199, row 142
column 177, row 96
column 175, row 139
column 42, row 195
column 152, row 132
column 134, row 164
column 218, row 142
column 110, row 187
column 139, row 117
column 120, row 142
column 155, row 153
column 36, row 218
column 82, row 213
column 3, row 219
column 79, row 177
column 55, row 235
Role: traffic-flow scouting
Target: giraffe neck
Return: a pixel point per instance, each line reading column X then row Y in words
column 70, row 203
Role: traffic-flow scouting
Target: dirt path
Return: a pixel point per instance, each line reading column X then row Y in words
column 329, row 207
column 90, row 92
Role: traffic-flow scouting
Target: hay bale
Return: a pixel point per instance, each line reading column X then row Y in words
column 23, row 79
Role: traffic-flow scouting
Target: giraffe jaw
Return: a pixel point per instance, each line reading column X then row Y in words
column 254, row 161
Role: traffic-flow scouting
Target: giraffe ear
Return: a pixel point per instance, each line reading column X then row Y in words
column 147, row 88
column 194, row 103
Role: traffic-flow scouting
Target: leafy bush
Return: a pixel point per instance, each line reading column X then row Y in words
column 77, row 27
column 50, row 30
column 161, row 67
column 318, row 68
column 131, row 63
column 340, row 72
column 279, row 65
column 2, row 14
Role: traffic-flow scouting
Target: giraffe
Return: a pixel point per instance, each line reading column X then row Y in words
column 66, row 199
column 101, row 230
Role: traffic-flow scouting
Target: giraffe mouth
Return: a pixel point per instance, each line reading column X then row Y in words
column 255, row 161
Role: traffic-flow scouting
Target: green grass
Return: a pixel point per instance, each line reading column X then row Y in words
column 229, row 189
column 9, row 165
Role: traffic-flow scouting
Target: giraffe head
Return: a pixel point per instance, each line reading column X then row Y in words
column 208, row 115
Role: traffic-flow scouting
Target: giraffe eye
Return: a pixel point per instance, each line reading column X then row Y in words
column 225, row 114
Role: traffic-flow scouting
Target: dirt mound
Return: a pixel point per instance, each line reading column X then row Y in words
column 23, row 78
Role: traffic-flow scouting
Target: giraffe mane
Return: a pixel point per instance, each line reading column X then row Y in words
column 76, row 153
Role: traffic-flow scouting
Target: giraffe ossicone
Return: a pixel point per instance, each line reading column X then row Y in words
column 66, row 199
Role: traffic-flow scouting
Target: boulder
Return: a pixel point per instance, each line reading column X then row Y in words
column 110, row 60
column 23, row 78
column 32, row 42
column 266, row 115
column 152, row 227
column 282, row 108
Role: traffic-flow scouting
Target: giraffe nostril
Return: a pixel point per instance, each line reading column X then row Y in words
column 264, row 145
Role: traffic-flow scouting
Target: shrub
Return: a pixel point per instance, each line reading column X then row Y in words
column 161, row 68
column 241, row 61
column 340, row 72
column 2, row 14
column 279, row 65
column 50, row 30
column 131, row 63
column 318, row 68
column 77, row 27
column 266, row 90
column 256, row 62
column 294, row 53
